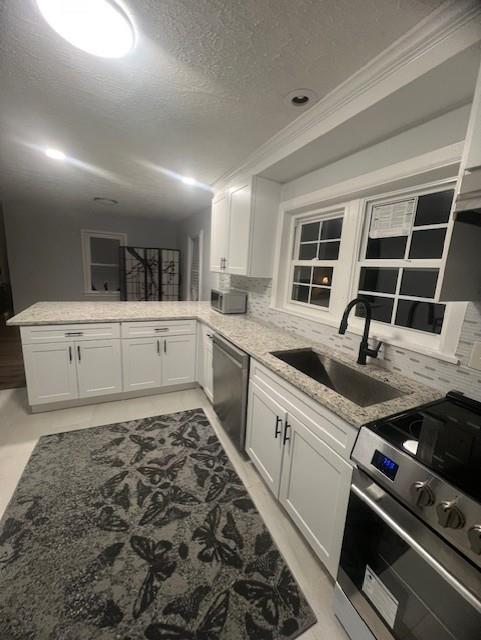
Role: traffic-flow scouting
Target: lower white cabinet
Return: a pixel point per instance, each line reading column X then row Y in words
column 50, row 372
column 99, row 367
column 178, row 360
column 311, row 480
column 141, row 362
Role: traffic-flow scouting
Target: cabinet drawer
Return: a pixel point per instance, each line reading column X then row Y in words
column 157, row 328
column 337, row 433
column 67, row 332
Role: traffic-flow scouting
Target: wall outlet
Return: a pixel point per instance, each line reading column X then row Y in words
column 475, row 358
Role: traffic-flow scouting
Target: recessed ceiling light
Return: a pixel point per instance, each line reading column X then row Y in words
column 100, row 27
column 300, row 97
column 190, row 181
column 55, row 154
column 109, row 202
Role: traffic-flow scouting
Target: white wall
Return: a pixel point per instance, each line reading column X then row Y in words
column 191, row 227
column 439, row 132
column 45, row 251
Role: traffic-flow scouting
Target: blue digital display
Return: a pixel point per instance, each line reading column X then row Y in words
column 385, row 465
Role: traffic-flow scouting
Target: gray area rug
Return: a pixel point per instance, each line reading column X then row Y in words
column 141, row 530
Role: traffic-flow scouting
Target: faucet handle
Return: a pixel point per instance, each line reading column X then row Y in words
column 373, row 353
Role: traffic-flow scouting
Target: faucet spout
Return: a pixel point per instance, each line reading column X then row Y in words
column 364, row 349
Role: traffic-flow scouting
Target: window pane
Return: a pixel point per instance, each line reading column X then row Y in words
column 423, row 316
column 434, row 208
column 302, row 274
column 310, row 231
column 386, row 248
column 320, row 297
column 105, row 278
column 331, row 229
column 427, row 244
column 381, row 308
column 328, row 251
column 308, row 251
column 322, row 275
column 300, row 293
column 419, row 282
column 104, row 250
column 381, row 280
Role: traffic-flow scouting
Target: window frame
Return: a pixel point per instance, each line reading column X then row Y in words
column 86, row 236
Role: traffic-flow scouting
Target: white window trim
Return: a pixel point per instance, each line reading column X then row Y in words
column 86, row 234
column 443, row 346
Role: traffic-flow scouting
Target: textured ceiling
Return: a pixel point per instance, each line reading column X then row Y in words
column 201, row 91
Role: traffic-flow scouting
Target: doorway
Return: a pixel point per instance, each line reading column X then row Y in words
column 195, row 250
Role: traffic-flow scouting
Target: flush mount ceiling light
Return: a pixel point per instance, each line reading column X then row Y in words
column 300, row 98
column 55, row 154
column 100, row 27
column 108, row 202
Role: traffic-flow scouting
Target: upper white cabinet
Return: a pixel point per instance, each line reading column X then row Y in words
column 244, row 221
column 473, row 138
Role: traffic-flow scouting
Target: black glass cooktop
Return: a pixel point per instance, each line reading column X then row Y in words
column 445, row 436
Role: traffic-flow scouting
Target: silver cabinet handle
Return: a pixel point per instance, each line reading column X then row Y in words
column 165, row 346
column 70, row 354
column 79, row 353
column 162, row 329
column 158, row 347
column 70, row 334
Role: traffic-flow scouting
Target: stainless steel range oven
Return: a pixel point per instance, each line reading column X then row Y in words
column 410, row 565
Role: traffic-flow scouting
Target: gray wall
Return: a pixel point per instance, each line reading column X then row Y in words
column 191, row 226
column 45, row 251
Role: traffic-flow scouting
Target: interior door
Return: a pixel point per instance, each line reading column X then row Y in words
column 219, row 233
column 50, row 372
column 142, row 363
column 264, row 444
column 99, row 367
column 315, row 491
column 178, row 360
column 239, row 230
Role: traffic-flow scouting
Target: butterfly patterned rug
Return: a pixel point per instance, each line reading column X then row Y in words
column 141, row 530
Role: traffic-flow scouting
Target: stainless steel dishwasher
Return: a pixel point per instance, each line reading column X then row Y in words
column 231, row 380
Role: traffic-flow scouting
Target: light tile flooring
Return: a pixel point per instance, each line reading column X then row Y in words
column 20, row 430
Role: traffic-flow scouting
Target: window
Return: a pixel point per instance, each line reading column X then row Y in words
column 401, row 257
column 101, row 261
column 315, row 254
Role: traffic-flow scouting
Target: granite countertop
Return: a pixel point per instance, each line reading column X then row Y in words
column 256, row 338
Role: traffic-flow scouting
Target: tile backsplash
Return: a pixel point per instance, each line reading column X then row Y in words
column 428, row 370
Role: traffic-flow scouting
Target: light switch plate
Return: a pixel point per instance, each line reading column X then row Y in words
column 475, row 358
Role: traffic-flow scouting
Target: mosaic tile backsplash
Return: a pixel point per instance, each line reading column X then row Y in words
column 430, row 371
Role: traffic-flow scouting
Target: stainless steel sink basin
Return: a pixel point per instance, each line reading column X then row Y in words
column 353, row 385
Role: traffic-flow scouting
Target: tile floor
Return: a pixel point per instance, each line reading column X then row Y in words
column 20, row 430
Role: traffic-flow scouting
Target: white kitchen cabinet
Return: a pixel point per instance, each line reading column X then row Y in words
column 99, row 367
column 219, row 232
column 244, row 221
column 315, row 491
column 289, row 443
column 141, row 363
column 50, row 372
column 208, row 373
column 178, row 360
column 264, row 437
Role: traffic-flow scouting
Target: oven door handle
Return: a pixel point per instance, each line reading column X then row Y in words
column 358, row 488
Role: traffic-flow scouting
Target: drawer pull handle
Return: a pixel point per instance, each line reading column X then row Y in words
column 70, row 354
column 162, row 329
column 79, row 354
column 70, row 334
column 158, row 347
column 165, row 346
column 286, row 437
column 277, row 430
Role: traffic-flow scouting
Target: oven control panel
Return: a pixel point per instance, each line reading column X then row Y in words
column 455, row 516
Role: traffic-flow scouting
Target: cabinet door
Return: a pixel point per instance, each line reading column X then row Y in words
column 315, row 491
column 265, row 423
column 50, row 372
column 142, row 363
column 208, row 367
column 178, row 360
column 239, row 231
column 99, row 367
column 219, row 233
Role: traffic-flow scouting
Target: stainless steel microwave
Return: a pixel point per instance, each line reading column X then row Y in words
column 229, row 301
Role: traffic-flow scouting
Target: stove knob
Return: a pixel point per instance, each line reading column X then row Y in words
column 449, row 515
column 474, row 535
column 422, row 494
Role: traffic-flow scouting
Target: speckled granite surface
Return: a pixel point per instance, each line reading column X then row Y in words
column 256, row 338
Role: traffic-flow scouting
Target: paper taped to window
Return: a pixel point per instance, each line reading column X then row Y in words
column 392, row 219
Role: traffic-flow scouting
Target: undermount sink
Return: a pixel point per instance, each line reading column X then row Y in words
column 353, row 385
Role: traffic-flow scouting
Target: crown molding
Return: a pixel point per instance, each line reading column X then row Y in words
column 452, row 28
